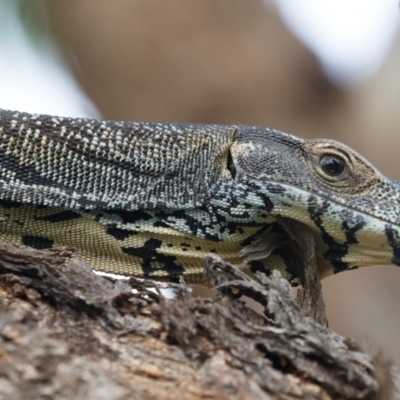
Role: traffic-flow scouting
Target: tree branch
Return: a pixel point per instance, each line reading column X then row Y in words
column 68, row 333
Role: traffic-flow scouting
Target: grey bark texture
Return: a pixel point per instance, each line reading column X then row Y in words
column 66, row 333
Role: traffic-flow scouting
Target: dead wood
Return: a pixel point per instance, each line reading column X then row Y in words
column 309, row 294
column 66, row 333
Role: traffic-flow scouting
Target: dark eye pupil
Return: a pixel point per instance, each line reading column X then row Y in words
column 333, row 166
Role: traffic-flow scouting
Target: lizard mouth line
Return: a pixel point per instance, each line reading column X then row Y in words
column 346, row 206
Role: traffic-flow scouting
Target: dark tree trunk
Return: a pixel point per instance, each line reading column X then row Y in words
column 66, row 333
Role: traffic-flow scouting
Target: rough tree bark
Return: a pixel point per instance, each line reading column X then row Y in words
column 67, row 333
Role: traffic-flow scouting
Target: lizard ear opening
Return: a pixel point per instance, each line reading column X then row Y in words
column 230, row 165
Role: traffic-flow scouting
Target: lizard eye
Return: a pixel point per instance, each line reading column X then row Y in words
column 332, row 165
column 338, row 167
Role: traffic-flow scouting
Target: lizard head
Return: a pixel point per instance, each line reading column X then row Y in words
column 352, row 210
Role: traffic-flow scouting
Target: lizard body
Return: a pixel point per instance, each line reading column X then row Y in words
column 149, row 199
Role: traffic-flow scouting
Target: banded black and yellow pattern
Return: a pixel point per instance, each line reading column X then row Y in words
column 150, row 199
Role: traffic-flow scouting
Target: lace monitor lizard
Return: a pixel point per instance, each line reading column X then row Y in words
column 150, row 199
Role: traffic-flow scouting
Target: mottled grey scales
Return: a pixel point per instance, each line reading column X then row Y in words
column 150, row 199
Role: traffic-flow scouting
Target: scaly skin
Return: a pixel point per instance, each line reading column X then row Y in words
column 149, row 199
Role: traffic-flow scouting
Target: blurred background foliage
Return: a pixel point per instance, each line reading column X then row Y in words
column 34, row 18
column 225, row 61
